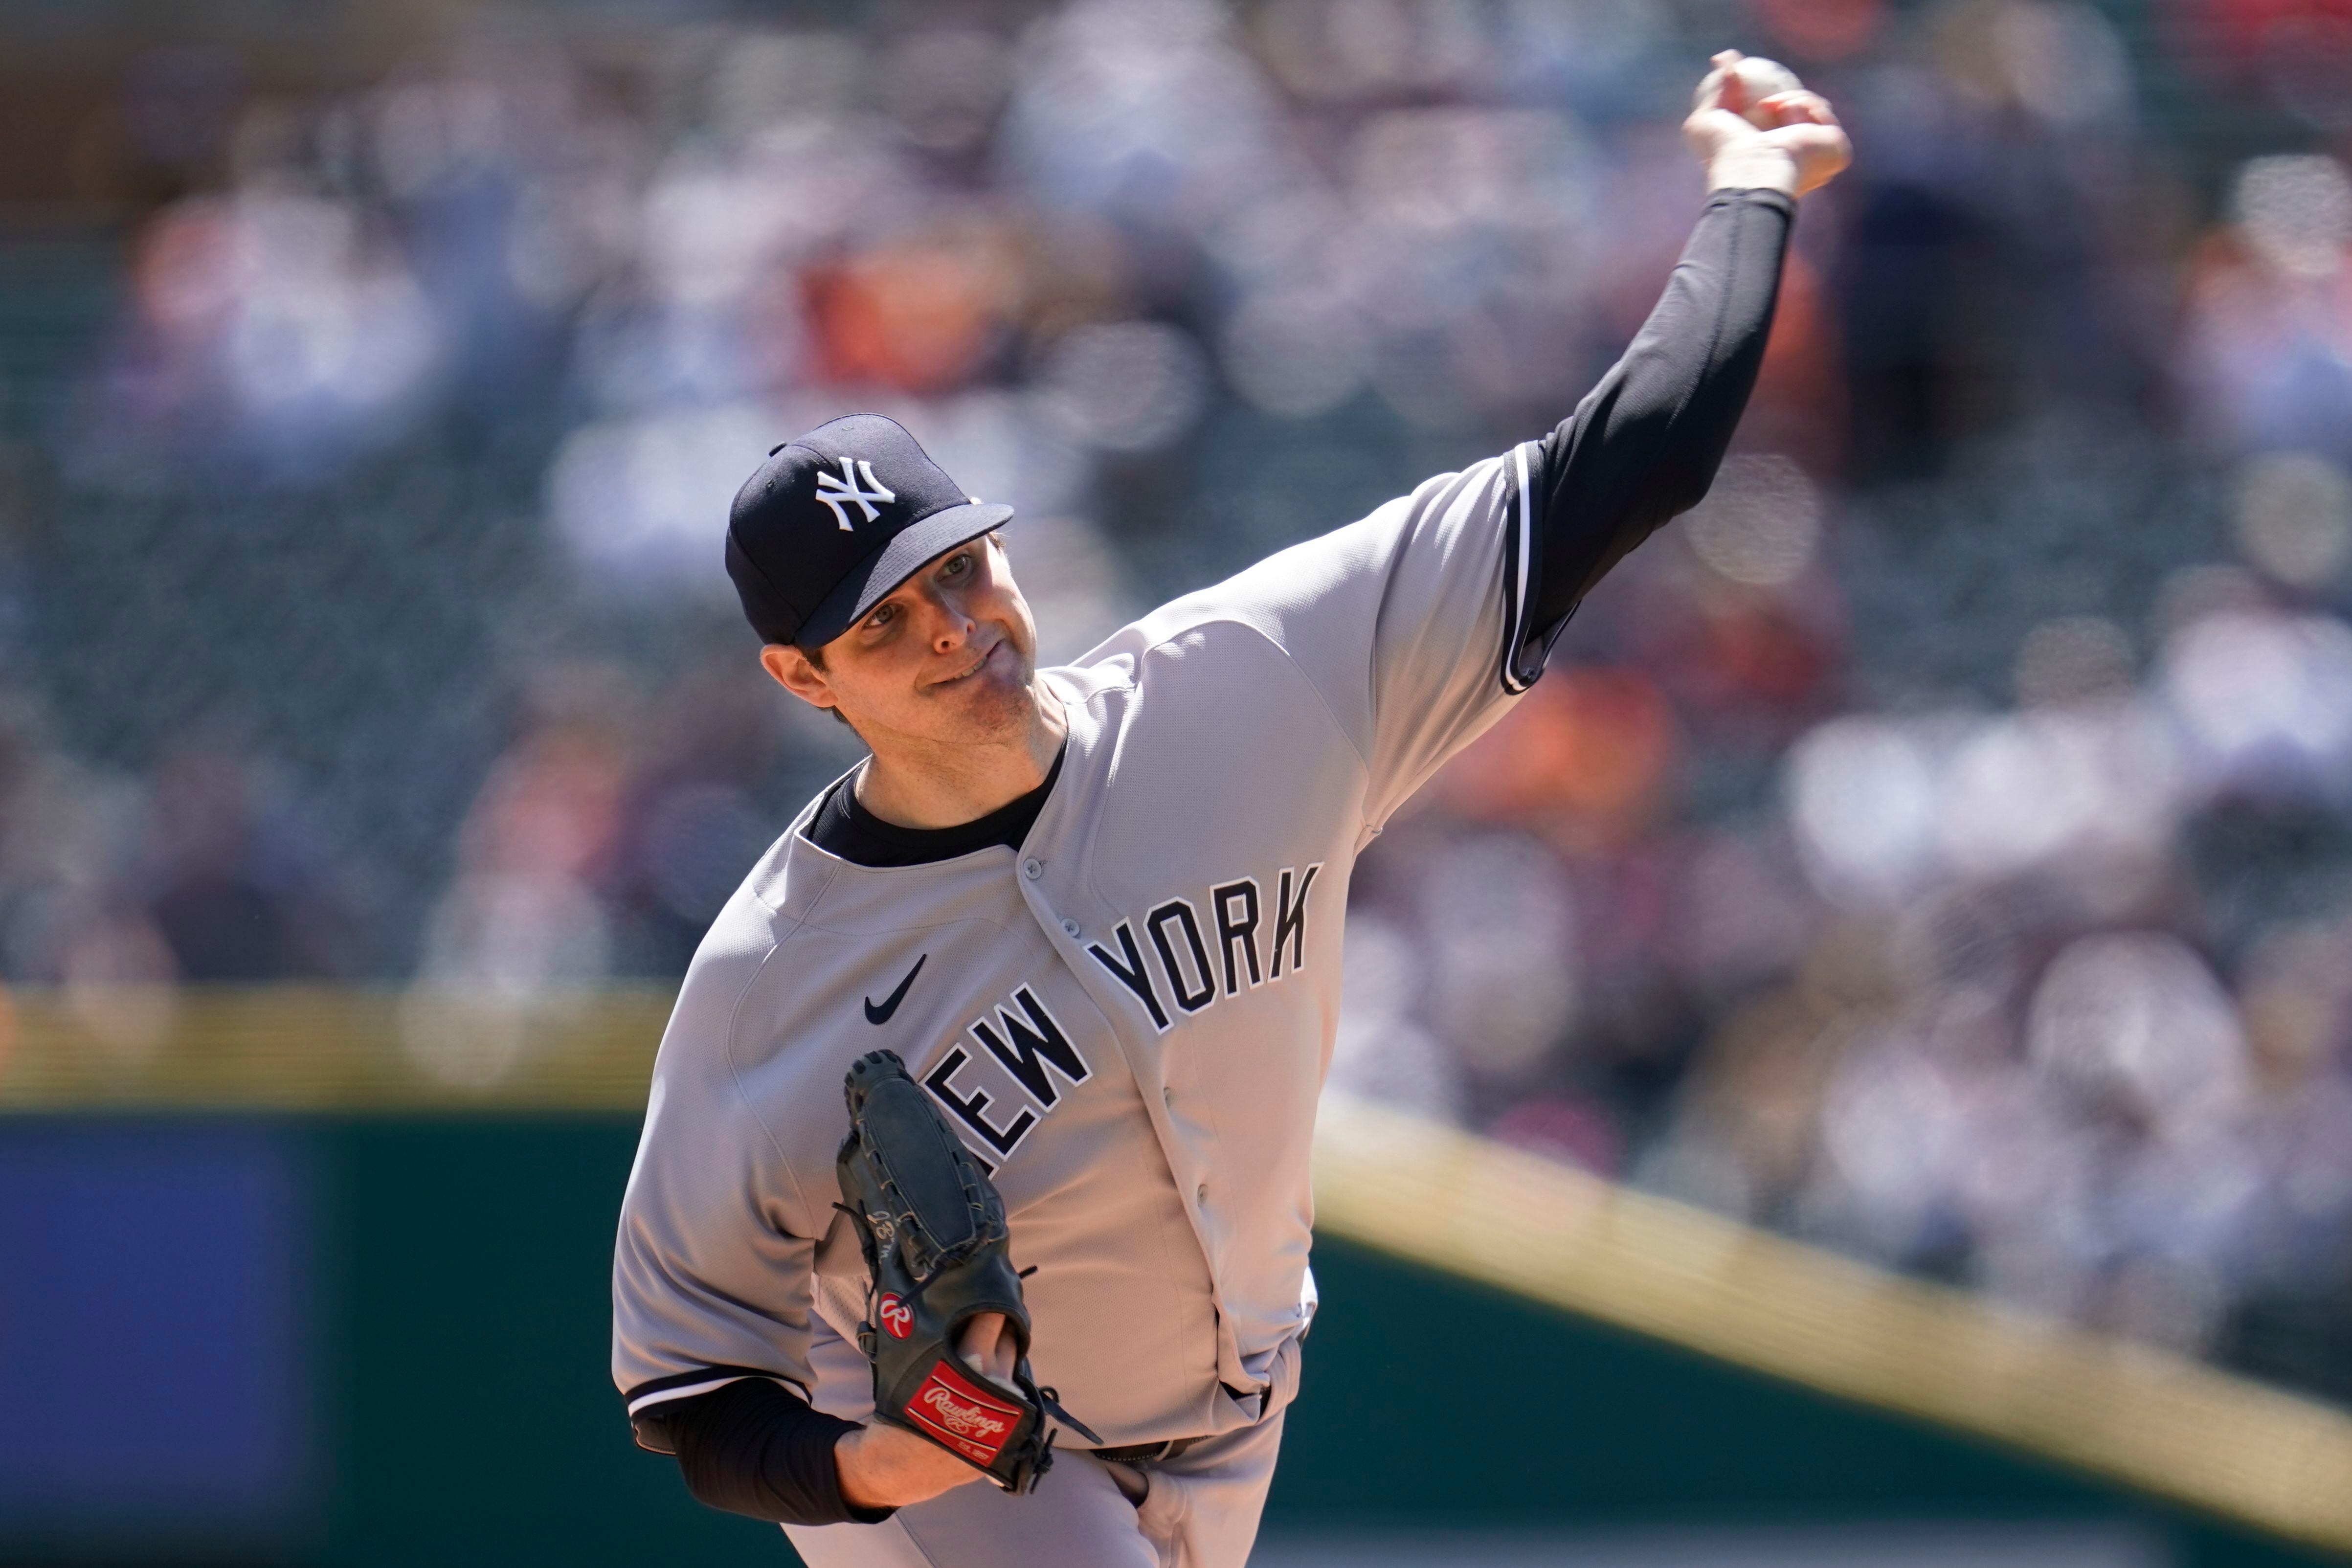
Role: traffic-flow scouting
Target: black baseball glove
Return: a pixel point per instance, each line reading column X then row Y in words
column 936, row 1243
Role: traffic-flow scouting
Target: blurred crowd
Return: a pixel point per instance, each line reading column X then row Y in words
column 1939, row 846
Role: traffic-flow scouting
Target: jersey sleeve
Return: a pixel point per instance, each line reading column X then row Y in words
column 1401, row 622
column 711, row 1279
column 1451, row 565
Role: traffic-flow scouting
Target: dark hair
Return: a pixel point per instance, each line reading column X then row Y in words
column 815, row 655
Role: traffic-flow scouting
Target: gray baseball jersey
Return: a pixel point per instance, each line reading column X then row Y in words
column 1128, row 1019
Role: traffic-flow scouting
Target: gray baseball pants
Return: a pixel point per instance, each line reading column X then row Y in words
column 1199, row 1510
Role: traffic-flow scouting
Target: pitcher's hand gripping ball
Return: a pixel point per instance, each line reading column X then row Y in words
column 1757, row 79
column 933, row 1230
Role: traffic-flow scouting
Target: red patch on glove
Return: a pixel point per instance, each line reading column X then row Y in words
column 971, row 1423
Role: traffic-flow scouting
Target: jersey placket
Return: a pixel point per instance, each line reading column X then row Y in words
column 1049, row 874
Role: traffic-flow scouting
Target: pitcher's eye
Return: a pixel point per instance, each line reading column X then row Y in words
column 956, row 565
column 882, row 616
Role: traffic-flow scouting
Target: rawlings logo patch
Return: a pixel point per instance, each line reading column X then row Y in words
column 897, row 1318
column 973, row 1423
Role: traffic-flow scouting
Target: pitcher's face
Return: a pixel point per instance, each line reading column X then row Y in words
column 949, row 657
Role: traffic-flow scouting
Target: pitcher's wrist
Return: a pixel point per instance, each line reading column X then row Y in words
column 1752, row 169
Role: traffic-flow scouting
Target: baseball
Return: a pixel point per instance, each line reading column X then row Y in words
column 1760, row 79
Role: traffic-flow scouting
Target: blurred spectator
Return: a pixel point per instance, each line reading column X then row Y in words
column 236, row 895
column 2270, row 311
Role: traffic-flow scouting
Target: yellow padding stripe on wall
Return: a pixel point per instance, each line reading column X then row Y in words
column 1429, row 1193
column 2154, row 1421
column 328, row 1048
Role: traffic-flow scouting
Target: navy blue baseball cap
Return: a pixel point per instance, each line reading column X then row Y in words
column 833, row 522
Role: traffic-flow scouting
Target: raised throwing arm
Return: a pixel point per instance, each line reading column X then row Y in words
column 1646, row 441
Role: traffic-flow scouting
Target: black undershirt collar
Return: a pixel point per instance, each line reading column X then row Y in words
column 842, row 827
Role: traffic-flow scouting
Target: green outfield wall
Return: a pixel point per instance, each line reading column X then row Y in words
column 449, row 1313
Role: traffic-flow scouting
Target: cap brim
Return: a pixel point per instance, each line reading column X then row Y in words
column 879, row 575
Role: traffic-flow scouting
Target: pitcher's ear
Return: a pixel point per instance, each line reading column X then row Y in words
column 798, row 671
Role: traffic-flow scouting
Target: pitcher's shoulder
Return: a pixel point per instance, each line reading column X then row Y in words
column 740, row 952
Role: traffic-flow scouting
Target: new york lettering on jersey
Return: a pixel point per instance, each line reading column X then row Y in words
column 1199, row 959
column 1247, row 937
column 1033, row 1048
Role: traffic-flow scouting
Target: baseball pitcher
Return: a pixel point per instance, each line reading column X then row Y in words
column 970, row 1219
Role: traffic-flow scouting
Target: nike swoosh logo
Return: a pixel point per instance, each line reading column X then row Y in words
column 882, row 1014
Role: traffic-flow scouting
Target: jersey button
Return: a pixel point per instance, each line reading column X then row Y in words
column 1069, row 928
column 1032, row 868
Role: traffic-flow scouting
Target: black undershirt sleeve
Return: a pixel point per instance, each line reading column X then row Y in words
column 755, row 1448
column 1646, row 443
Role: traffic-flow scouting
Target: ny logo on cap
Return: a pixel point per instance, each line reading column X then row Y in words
column 834, row 493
